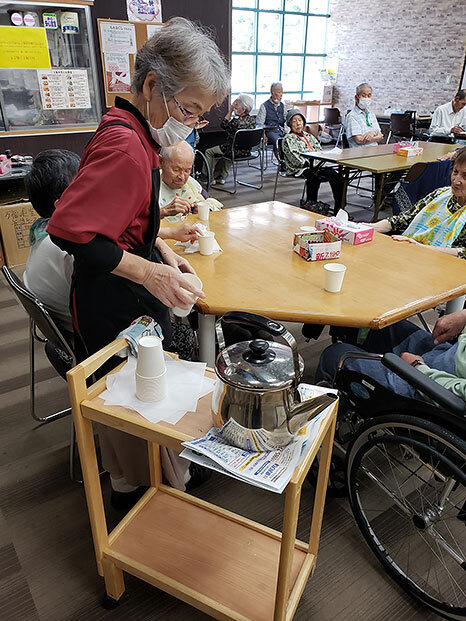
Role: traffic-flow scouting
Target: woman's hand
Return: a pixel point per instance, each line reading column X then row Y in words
column 184, row 232
column 178, row 205
column 167, row 284
column 172, row 259
column 383, row 226
column 410, row 358
column 403, row 238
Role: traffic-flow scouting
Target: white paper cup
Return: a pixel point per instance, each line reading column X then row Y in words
column 151, row 362
column 197, row 282
column 203, row 210
column 150, row 389
column 308, row 229
column 334, row 274
column 206, row 243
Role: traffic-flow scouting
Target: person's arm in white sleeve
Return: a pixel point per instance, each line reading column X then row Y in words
column 261, row 115
column 436, row 128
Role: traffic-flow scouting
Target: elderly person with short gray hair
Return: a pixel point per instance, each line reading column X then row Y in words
column 237, row 117
column 108, row 218
column 272, row 115
column 361, row 126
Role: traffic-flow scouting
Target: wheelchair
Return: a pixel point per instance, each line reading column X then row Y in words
column 404, row 466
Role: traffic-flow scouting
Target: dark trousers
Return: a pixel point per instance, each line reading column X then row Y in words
column 315, row 178
column 273, row 135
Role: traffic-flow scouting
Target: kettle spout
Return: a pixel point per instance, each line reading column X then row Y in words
column 303, row 412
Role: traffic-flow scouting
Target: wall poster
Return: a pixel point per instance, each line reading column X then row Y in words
column 144, row 10
column 64, row 89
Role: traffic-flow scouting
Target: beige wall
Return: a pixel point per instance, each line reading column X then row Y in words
column 404, row 48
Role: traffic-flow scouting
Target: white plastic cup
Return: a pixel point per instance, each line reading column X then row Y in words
column 206, row 243
column 151, row 389
column 150, row 362
column 197, row 282
column 203, row 210
column 334, row 274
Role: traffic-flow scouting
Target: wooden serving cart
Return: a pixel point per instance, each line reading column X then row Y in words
column 225, row 565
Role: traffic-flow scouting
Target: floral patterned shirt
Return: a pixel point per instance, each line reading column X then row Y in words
column 244, row 121
column 293, row 146
column 401, row 222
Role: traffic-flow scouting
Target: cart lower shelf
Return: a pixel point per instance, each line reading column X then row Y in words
column 215, row 560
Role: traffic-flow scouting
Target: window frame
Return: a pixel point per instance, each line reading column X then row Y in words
column 295, row 93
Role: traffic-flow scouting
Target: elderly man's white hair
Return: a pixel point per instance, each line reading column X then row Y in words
column 359, row 87
column 182, row 148
column 276, row 85
column 246, row 101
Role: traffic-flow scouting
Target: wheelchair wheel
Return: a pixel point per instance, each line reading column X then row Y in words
column 407, row 488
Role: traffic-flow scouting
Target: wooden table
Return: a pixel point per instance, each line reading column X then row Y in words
column 229, row 567
column 381, row 164
column 258, row 271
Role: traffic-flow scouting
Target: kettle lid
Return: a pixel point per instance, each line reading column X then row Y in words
column 257, row 365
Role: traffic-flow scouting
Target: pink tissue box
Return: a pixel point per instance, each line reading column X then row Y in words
column 400, row 145
column 317, row 246
column 349, row 232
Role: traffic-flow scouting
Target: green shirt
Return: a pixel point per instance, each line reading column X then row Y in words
column 401, row 222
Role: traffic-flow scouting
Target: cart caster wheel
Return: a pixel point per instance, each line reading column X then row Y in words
column 109, row 603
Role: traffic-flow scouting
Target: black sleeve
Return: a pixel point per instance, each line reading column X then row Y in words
column 100, row 253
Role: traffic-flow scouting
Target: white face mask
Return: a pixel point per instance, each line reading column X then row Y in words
column 172, row 132
column 365, row 103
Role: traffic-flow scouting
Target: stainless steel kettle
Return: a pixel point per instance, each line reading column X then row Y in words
column 255, row 400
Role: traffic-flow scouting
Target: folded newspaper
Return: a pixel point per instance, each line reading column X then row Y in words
column 271, row 470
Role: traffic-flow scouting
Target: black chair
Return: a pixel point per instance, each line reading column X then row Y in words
column 245, row 140
column 332, row 119
column 405, row 471
column 57, row 350
column 402, row 125
column 198, row 168
column 442, row 139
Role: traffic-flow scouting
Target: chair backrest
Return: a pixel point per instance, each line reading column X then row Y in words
column 422, row 179
column 37, row 312
column 280, row 155
column 245, row 139
column 332, row 116
column 402, row 124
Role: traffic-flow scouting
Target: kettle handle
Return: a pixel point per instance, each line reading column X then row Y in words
column 259, row 321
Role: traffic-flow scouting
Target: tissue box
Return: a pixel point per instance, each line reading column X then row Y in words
column 317, row 246
column 410, row 151
column 349, row 232
column 399, row 145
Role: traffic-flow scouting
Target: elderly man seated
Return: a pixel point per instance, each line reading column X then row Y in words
column 237, row 117
column 179, row 192
column 432, row 354
column 450, row 118
column 361, row 126
column 437, row 221
column 272, row 114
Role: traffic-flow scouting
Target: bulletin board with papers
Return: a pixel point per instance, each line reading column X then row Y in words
column 119, row 42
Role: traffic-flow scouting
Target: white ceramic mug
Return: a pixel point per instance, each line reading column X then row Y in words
column 197, row 282
column 203, row 210
column 206, row 243
column 334, row 274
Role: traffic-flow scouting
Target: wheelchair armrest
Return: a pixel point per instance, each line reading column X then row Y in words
column 425, row 384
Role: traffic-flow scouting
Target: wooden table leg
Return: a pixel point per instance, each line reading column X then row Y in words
column 114, row 581
column 321, row 489
column 379, row 183
column 290, row 524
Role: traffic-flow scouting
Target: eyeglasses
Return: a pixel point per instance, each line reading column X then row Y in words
column 190, row 118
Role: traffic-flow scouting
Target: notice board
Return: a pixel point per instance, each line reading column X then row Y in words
column 119, row 41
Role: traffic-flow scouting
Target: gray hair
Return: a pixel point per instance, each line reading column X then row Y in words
column 246, row 101
column 182, row 54
column 167, row 153
column 359, row 87
column 276, row 85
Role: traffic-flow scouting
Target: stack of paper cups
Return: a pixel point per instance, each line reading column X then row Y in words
column 206, row 243
column 151, row 372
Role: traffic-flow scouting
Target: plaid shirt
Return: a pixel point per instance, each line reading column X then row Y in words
column 401, row 222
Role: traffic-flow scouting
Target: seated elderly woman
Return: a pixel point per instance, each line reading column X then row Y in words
column 237, row 117
column 300, row 141
column 438, row 221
